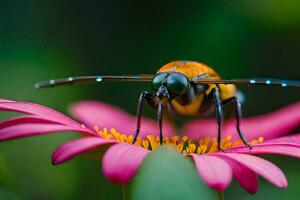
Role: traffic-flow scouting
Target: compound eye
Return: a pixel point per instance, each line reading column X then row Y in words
column 177, row 83
column 158, row 80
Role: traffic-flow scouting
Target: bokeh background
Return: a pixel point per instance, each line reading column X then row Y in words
column 57, row 38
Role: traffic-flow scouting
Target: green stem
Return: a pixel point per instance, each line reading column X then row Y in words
column 221, row 196
column 125, row 192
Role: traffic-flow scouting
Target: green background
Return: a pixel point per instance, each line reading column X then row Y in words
column 41, row 40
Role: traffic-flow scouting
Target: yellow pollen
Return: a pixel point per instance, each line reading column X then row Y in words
column 130, row 139
column 203, row 148
column 185, row 138
column 213, row 148
column 166, row 140
column 198, row 150
column 146, row 144
column 184, row 145
column 192, row 147
column 174, row 139
column 180, row 147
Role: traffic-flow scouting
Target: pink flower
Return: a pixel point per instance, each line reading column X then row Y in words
column 122, row 159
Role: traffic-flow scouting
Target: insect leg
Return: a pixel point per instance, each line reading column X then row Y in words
column 219, row 113
column 159, row 119
column 234, row 101
column 150, row 99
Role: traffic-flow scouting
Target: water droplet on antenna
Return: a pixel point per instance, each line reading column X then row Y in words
column 99, row 79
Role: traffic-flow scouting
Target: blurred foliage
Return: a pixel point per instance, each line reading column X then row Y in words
column 166, row 174
column 50, row 39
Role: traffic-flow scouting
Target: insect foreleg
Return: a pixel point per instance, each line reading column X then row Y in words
column 219, row 113
column 150, row 99
column 159, row 119
column 234, row 101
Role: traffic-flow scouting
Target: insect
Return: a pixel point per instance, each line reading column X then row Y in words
column 185, row 88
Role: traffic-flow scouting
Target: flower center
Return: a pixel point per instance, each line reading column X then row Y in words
column 183, row 144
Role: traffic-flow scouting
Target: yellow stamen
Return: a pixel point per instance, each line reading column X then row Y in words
column 253, row 142
column 146, row 144
column 154, row 145
column 198, row 150
column 123, row 138
column 192, row 147
column 138, row 141
column 203, row 149
column 180, row 147
column 213, row 148
column 237, row 143
column 166, row 140
column 174, row 139
column 130, row 139
column 185, row 138
column 184, row 145
column 115, row 134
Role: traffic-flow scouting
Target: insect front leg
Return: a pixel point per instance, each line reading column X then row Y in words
column 234, row 101
column 219, row 113
column 150, row 99
column 160, row 122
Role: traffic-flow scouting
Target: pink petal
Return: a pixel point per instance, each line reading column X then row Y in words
column 74, row 148
column 244, row 176
column 121, row 162
column 26, row 126
column 200, row 128
column 287, row 149
column 214, row 171
column 5, row 100
column 35, row 109
column 295, row 138
column 262, row 167
column 25, row 119
column 103, row 115
column 269, row 125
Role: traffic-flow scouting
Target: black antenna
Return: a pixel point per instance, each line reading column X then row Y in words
column 249, row 82
column 92, row 79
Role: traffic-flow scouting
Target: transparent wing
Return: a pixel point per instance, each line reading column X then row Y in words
column 255, row 81
column 93, row 79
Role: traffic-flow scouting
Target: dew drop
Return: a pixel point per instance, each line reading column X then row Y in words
column 252, row 81
column 283, row 84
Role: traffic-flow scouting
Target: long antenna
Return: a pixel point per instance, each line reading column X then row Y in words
column 92, row 79
column 249, row 82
